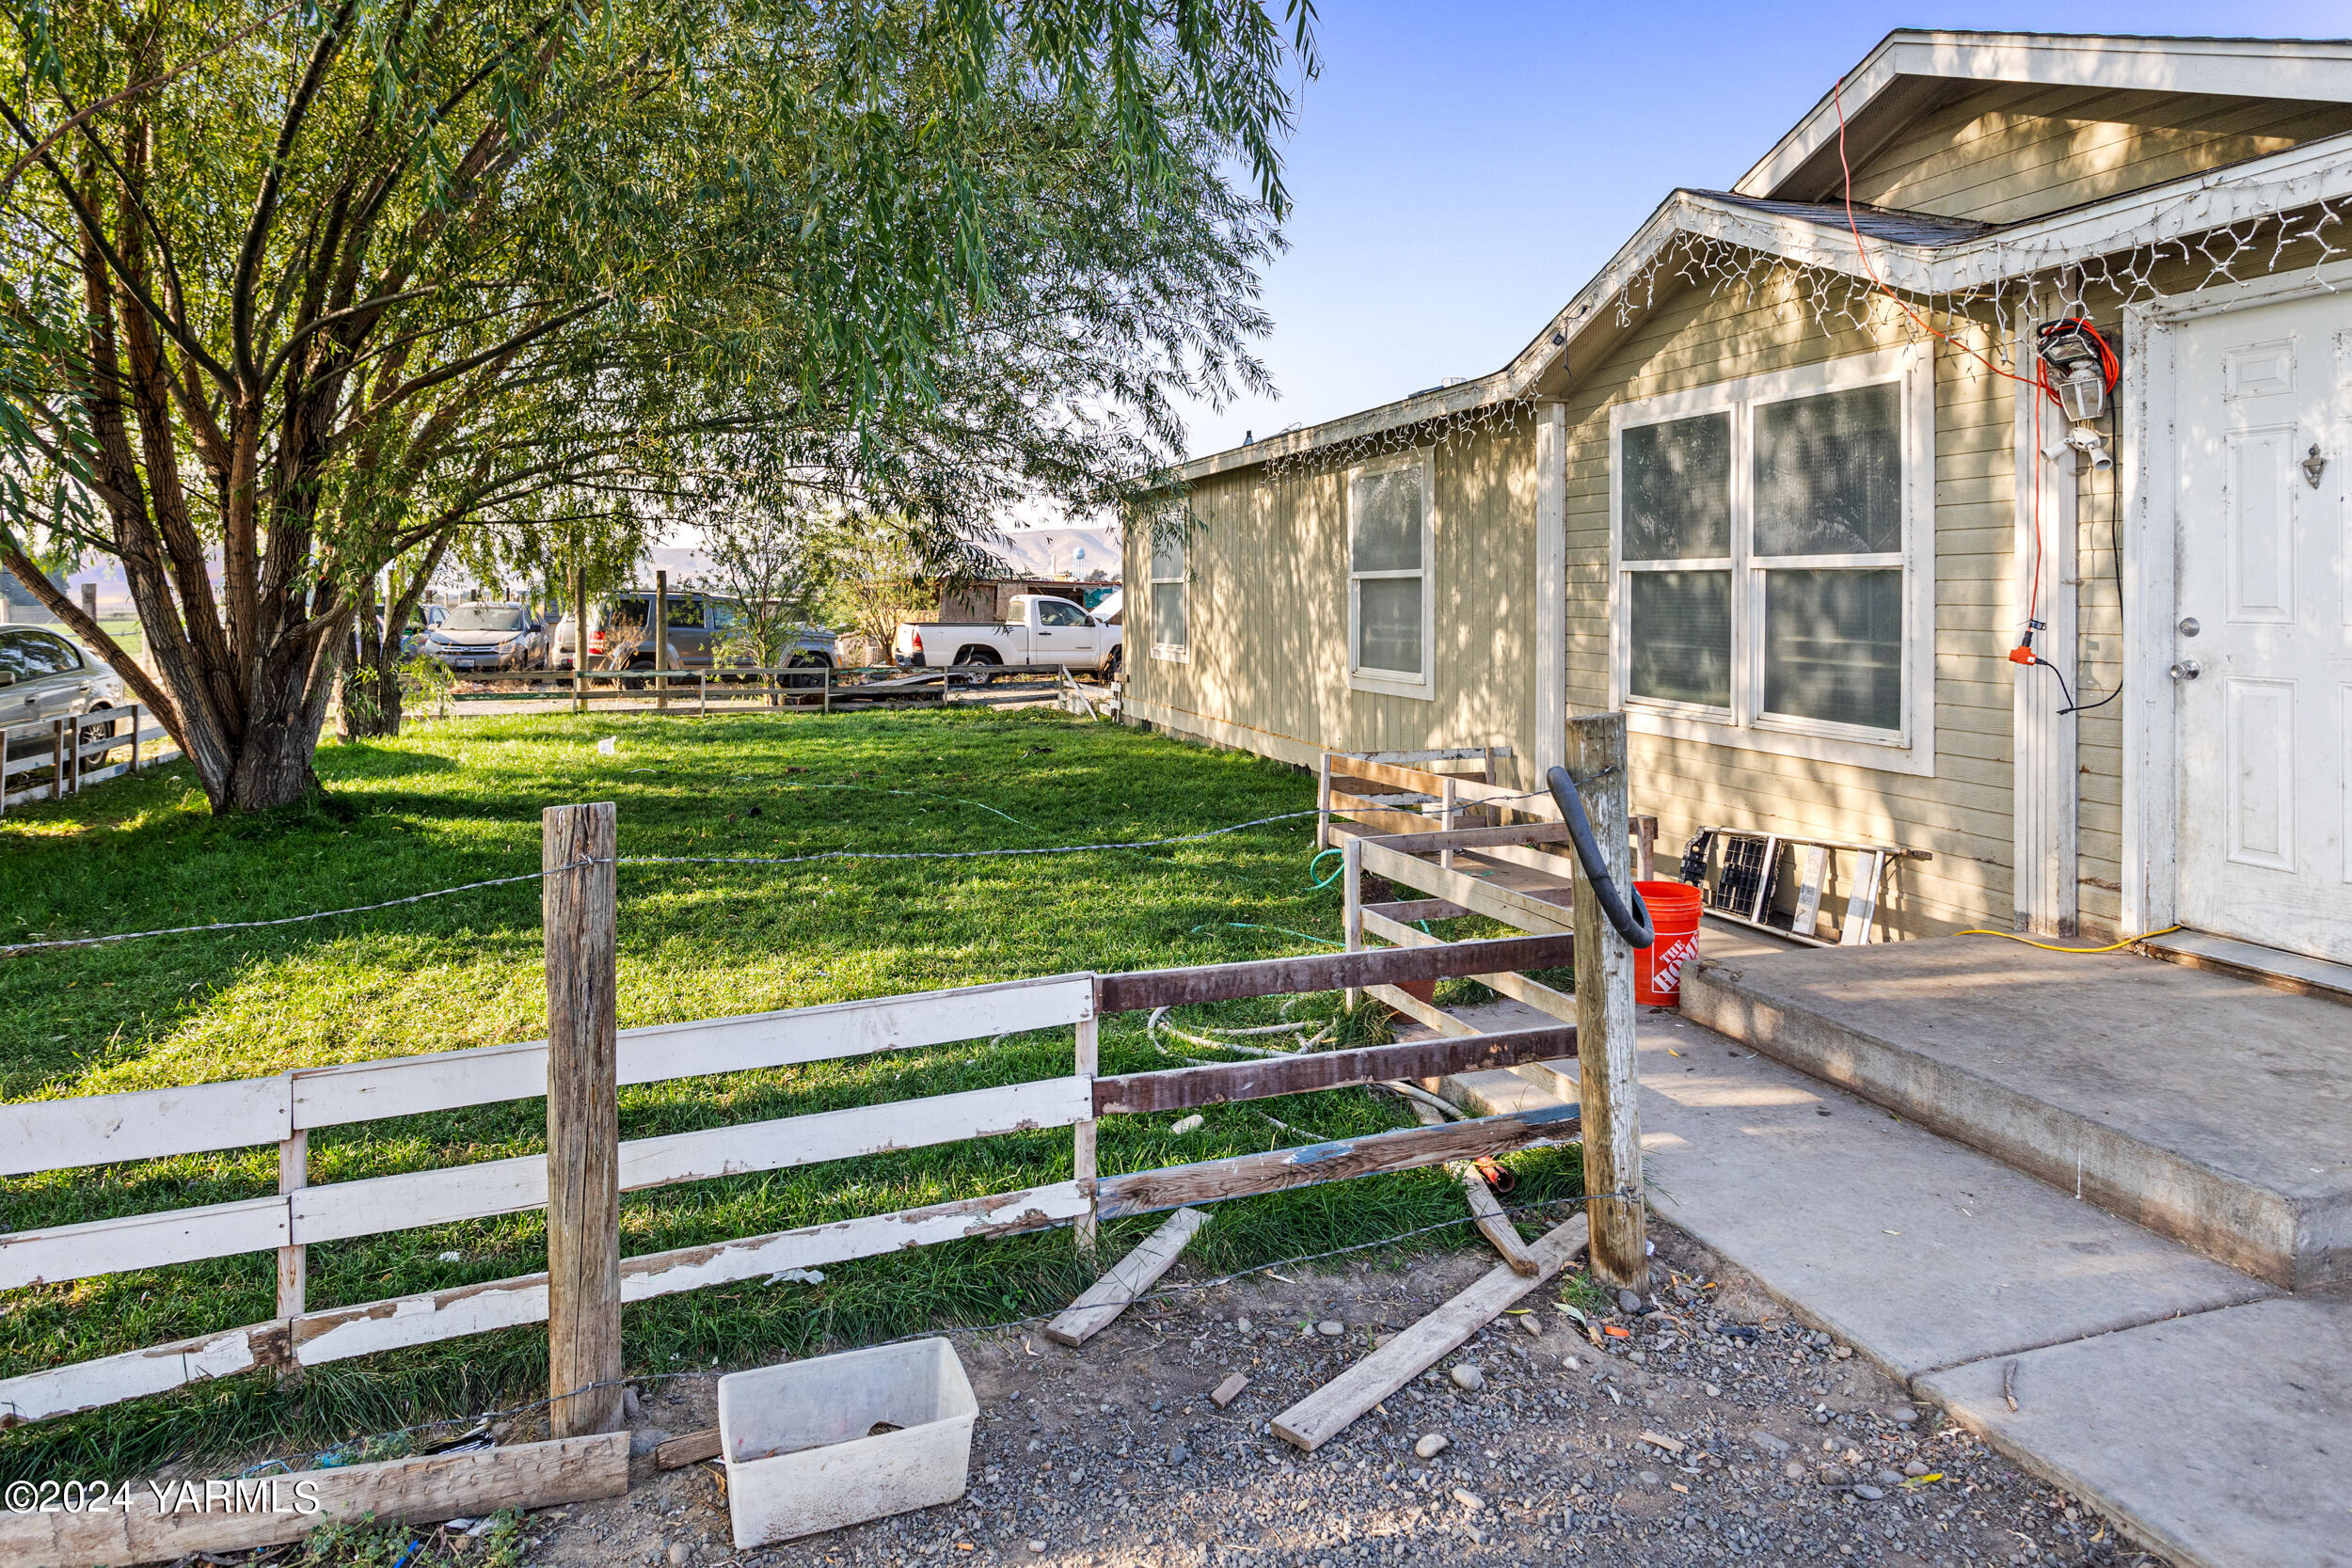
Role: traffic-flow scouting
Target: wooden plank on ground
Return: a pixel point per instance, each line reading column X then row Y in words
column 1278, row 1170
column 1169, row 987
column 691, row 1449
column 146, row 1124
column 1326, row 1412
column 168, row 1521
column 1559, row 1004
column 1134, row 1273
column 1507, row 905
column 1485, row 1212
column 141, row 1242
column 1261, row 1078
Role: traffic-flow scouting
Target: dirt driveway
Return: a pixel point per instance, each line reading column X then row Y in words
column 1777, row 1447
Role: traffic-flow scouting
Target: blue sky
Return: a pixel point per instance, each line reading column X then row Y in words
column 1461, row 169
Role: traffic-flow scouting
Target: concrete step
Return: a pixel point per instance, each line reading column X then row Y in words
column 2206, row 1108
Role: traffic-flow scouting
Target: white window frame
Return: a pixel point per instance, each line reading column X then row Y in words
column 1745, row 725
column 1397, row 683
column 1171, row 653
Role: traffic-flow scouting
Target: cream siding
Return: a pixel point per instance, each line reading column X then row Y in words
column 2011, row 152
column 1267, row 569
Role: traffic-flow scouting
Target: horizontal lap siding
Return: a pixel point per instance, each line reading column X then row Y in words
column 1962, row 814
column 1268, row 623
column 2012, row 152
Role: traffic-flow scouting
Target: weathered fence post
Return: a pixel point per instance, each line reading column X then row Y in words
column 578, row 907
column 1082, row 1152
column 660, row 630
column 1608, row 1071
column 1351, row 906
column 294, row 1260
column 580, row 637
column 1323, row 803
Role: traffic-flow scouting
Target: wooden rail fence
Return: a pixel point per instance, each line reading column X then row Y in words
column 283, row 1109
column 65, row 748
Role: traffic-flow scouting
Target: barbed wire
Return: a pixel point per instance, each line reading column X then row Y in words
column 12, row 949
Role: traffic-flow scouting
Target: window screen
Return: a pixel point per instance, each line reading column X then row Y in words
column 1388, row 625
column 1829, row 474
column 1834, row 646
column 1679, row 630
column 1387, row 522
column 1168, row 628
column 1676, row 488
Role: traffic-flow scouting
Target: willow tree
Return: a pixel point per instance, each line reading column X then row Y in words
column 296, row 290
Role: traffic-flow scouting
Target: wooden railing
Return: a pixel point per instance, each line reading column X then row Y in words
column 284, row 1108
column 800, row 684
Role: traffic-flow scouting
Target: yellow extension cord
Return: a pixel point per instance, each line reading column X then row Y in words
column 2052, row 947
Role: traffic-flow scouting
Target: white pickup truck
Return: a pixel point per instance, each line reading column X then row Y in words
column 1045, row 633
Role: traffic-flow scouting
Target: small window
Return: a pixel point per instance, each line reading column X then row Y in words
column 1390, row 602
column 1061, row 613
column 1775, row 580
column 685, row 611
column 1171, row 626
column 725, row 615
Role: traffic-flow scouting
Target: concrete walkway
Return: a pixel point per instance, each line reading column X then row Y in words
column 2205, row 1408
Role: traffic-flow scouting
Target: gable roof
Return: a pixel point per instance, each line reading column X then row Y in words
column 1920, row 253
column 1911, row 68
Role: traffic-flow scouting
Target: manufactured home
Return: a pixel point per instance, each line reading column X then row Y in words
column 1970, row 477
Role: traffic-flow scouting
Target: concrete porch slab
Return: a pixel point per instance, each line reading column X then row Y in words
column 2207, row 1108
column 1921, row 1253
column 2222, row 1438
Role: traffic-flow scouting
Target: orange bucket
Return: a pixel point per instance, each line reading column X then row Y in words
column 1674, row 914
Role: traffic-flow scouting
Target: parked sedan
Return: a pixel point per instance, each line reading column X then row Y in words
column 487, row 637
column 46, row 675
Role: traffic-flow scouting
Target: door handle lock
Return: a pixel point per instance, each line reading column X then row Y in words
column 2187, row 669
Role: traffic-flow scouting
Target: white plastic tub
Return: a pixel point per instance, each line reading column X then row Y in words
column 803, row 1454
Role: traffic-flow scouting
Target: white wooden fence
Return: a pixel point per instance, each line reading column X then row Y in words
column 58, row 748
column 282, row 1109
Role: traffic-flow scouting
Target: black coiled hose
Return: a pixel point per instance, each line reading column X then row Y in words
column 1631, row 924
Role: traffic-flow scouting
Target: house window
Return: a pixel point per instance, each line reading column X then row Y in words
column 1171, row 631
column 1773, row 563
column 1389, row 601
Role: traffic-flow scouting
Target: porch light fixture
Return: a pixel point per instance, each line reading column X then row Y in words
column 2083, row 370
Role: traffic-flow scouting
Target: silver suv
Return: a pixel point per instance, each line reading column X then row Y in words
column 46, row 675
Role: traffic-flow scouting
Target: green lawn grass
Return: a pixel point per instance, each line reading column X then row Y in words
column 459, row 800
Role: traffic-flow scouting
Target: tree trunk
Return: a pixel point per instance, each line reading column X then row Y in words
column 371, row 704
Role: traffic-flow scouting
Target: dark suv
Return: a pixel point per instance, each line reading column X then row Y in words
column 700, row 624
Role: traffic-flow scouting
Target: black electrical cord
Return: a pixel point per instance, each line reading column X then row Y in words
column 2115, row 551
column 1633, row 924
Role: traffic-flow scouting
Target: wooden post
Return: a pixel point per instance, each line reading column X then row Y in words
column 828, row 689
column 1082, row 1153
column 1323, row 803
column 702, row 694
column 1449, row 800
column 294, row 1262
column 1608, row 1071
column 578, row 908
column 580, row 637
column 1646, row 848
column 661, row 641
column 57, row 759
column 136, row 725
column 1352, row 918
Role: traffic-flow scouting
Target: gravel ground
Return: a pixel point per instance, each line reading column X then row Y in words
column 1530, row 1443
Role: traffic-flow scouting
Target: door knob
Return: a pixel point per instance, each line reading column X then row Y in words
column 2187, row 669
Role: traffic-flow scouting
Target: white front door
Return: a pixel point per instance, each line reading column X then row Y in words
column 2265, row 633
